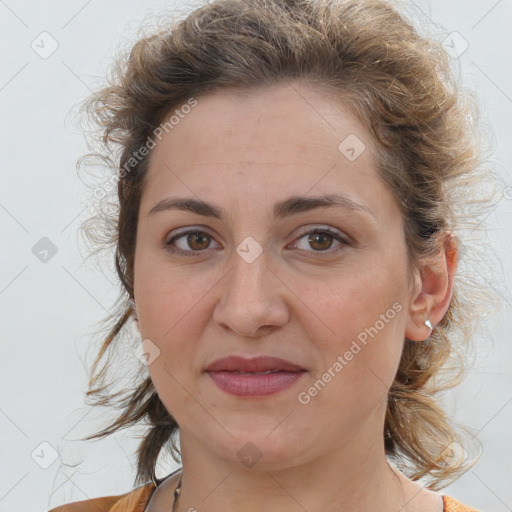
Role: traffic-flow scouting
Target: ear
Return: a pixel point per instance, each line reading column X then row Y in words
column 433, row 292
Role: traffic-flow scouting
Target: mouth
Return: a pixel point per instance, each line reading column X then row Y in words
column 257, row 377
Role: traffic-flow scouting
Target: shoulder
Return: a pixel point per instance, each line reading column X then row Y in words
column 133, row 501
column 452, row 505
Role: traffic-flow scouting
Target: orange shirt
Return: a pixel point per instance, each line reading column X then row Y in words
column 137, row 500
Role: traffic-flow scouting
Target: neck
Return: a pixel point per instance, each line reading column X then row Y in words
column 347, row 479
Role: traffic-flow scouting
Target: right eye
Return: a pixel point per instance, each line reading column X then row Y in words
column 194, row 241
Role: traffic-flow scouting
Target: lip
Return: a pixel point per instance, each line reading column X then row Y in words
column 256, row 364
column 255, row 384
column 225, row 373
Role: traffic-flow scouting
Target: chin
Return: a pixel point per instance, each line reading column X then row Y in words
column 264, row 449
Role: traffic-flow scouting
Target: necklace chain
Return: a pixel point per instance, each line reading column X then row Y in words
column 176, row 495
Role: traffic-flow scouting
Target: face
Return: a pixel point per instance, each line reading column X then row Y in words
column 250, row 283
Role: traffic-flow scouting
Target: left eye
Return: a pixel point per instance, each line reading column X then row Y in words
column 322, row 239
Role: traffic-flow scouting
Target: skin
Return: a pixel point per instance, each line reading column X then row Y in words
column 302, row 301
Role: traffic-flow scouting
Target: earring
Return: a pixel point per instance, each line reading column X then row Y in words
column 428, row 324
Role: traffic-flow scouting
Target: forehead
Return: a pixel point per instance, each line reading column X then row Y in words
column 228, row 125
column 270, row 142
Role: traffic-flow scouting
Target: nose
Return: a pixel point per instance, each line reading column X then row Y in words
column 252, row 301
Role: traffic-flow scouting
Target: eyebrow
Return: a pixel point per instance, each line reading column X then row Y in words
column 282, row 209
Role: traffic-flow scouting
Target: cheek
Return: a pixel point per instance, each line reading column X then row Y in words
column 357, row 366
column 351, row 302
column 362, row 320
column 172, row 305
column 167, row 296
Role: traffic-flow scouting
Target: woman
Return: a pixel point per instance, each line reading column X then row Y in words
column 288, row 190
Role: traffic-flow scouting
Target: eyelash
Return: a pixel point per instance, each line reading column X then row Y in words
column 169, row 244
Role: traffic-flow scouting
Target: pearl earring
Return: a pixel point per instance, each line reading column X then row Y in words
column 428, row 324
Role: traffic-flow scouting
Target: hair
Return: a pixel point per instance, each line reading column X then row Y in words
column 430, row 153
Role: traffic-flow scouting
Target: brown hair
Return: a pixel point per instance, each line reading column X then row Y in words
column 400, row 84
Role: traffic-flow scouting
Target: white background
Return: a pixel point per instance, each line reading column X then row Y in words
column 49, row 310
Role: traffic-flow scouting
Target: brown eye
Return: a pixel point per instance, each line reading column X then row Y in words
column 198, row 240
column 320, row 241
column 190, row 243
